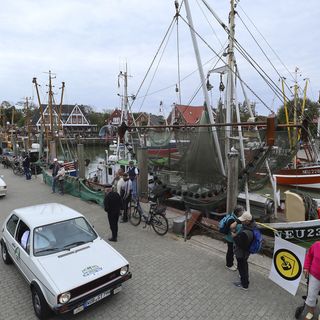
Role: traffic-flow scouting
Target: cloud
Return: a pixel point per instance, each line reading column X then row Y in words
column 86, row 43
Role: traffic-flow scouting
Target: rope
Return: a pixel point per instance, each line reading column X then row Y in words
column 265, row 41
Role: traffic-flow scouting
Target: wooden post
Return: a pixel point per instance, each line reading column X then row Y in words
column 81, row 166
column 53, row 150
column 142, row 158
column 14, row 145
column 186, row 224
column 232, row 187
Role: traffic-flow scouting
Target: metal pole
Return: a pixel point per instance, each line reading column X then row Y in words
column 53, row 150
column 81, row 166
column 232, row 185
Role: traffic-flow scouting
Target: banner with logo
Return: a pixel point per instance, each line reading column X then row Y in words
column 287, row 265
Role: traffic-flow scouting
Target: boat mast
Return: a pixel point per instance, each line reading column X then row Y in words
column 124, row 105
column 60, row 127
column 203, row 83
column 27, row 121
column 50, row 105
column 43, row 124
column 295, row 114
column 230, row 80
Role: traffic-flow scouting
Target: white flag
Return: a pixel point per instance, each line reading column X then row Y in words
column 287, row 264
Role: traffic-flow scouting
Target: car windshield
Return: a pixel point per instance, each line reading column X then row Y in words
column 62, row 235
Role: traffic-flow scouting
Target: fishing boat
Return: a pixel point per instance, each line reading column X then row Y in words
column 306, row 177
column 199, row 176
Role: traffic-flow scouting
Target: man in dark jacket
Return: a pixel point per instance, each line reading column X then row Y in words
column 242, row 241
column 112, row 205
column 26, row 167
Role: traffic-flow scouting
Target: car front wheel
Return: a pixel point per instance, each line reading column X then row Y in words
column 40, row 305
column 4, row 253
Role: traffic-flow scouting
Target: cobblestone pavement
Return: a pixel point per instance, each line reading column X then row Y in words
column 172, row 279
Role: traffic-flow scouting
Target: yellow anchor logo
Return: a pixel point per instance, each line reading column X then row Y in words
column 287, row 264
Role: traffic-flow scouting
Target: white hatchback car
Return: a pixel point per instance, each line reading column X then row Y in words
column 3, row 187
column 68, row 266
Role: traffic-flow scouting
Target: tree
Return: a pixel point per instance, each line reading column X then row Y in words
column 310, row 115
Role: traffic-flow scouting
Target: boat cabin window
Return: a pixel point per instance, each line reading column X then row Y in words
column 123, row 168
column 110, row 171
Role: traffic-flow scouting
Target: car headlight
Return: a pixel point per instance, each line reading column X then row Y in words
column 124, row 270
column 64, row 297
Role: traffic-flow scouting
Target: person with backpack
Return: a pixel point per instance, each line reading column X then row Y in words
column 224, row 227
column 242, row 242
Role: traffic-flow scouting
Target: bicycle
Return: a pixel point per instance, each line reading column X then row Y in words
column 18, row 170
column 155, row 217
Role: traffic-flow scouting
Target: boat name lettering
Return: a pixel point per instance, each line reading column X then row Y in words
column 311, row 171
column 280, row 151
column 301, row 233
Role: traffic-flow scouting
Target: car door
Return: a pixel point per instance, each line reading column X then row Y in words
column 9, row 235
column 22, row 252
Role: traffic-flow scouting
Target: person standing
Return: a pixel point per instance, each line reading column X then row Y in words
column 60, row 176
column 55, row 168
column 26, row 167
column 133, row 173
column 118, row 181
column 229, row 239
column 242, row 241
column 112, row 205
column 126, row 191
column 312, row 271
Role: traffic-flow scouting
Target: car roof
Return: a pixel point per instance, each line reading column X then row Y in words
column 43, row 214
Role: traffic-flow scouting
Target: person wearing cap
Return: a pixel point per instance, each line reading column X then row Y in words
column 242, row 241
column 112, row 205
column 133, row 173
column 55, row 168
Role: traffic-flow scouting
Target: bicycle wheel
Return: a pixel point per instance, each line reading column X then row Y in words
column 160, row 224
column 134, row 215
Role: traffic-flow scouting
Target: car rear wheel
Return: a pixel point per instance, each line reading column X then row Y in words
column 5, row 255
column 40, row 305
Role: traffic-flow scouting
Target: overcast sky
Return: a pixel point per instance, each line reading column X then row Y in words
column 86, row 43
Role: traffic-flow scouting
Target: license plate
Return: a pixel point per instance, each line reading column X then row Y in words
column 116, row 290
column 77, row 310
column 97, row 298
